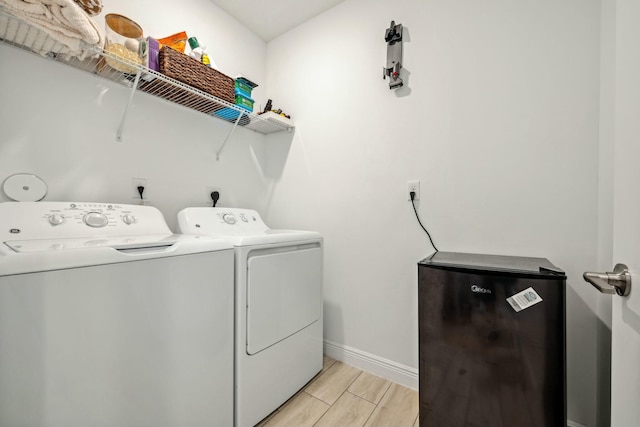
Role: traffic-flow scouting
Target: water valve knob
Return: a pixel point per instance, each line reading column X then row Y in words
column 56, row 219
column 129, row 219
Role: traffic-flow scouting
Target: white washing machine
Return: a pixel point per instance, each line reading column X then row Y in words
column 108, row 319
column 278, row 319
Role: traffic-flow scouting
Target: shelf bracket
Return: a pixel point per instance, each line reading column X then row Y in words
column 126, row 108
column 229, row 135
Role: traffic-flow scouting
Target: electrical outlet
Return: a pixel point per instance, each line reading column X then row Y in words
column 208, row 190
column 139, row 182
column 415, row 187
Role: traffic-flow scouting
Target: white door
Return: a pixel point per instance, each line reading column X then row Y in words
column 625, row 357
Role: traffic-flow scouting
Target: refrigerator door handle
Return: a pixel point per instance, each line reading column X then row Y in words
column 616, row 282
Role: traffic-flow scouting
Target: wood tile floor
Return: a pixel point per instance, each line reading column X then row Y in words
column 344, row 396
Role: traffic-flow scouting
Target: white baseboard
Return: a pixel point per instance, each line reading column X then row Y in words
column 573, row 424
column 385, row 368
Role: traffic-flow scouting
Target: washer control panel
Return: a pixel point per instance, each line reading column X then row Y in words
column 96, row 215
column 78, row 219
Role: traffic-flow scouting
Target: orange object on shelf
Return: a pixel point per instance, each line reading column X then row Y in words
column 176, row 41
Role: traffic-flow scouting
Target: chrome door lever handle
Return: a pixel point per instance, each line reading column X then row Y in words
column 616, row 282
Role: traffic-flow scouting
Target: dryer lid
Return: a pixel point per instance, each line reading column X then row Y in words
column 240, row 227
column 274, row 237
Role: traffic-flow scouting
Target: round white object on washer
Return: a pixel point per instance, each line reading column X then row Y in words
column 24, row 187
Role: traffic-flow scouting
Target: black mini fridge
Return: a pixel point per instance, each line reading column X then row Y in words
column 492, row 341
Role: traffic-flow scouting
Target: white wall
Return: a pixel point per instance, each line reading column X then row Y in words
column 499, row 122
column 60, row 123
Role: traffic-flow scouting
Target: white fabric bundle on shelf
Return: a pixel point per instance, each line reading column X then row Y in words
column 72, row 31
column 18, row 32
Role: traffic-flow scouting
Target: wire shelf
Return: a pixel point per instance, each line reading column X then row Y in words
column 21, row 34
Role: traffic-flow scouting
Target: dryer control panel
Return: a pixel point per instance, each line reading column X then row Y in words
column 53, row 220
column 240, row 227
column 221, row 221
column 234, row 216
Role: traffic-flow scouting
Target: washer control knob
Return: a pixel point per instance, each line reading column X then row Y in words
column 243, row 218
column 95, row 219
column 229, row 218
column 129, row 219
column 56, row 219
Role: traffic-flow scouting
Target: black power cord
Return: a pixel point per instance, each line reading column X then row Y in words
column 140, row 191
column 413, row 203
column 215, row 196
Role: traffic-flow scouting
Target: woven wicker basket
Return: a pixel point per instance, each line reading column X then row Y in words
column 195, row 74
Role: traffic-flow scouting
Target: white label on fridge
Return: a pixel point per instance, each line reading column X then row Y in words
column 524, row 299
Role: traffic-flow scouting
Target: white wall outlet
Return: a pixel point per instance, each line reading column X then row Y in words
column 139, row 182
column 208, row 201
column 415, row 187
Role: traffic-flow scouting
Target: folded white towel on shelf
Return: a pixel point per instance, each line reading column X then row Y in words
column 62, row 20
column 18, row 32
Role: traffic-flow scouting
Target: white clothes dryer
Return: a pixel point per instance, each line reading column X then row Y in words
column 278, row 318
column 109, row 319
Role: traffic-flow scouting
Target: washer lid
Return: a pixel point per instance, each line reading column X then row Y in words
column 39, row 255
column 115, row 242
column 24, row 187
